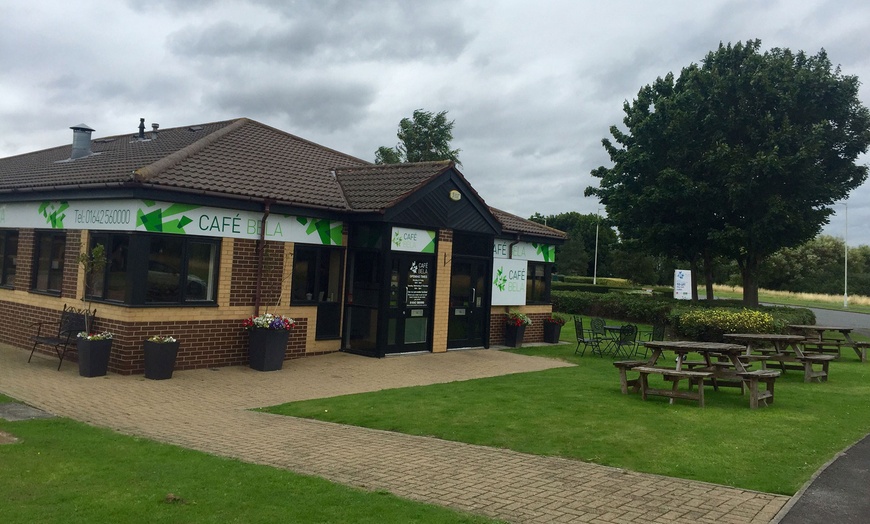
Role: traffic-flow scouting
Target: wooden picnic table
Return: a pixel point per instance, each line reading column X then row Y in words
column 786, row 349
column 815, row 335
column 712, row 369
column 783, row 344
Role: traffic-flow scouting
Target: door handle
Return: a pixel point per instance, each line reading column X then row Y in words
column 406, row 296
column 473, row 296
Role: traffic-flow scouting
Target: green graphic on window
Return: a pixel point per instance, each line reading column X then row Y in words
column 53, row 215
column 329, row 232
column 546, row 251
column 158, row 221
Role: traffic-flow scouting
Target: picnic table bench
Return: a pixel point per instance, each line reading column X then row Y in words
column 694, row 378
column 752, row 378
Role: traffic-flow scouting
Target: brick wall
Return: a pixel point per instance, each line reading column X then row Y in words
column 203, row 343
column 243, row 284
column 534, row 333
column 72, row 248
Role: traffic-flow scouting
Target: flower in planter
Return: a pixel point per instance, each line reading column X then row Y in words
column 105, row 335
column 517, row 319
column 269, row 321
column 162, row 339
column 559, row 321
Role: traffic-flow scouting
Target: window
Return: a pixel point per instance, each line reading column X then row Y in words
column 8, row 257
column 316, row 274
column 49, row 256
column 317, row 280
column 156, row 269
column 538, row 283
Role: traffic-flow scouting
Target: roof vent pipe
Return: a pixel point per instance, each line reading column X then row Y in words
column 141, row 129
column 81, row 146
column 154, row 128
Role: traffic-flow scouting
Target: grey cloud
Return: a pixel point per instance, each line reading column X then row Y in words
column 329, row 32
column 321, row 106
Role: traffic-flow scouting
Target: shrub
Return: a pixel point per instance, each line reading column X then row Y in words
column 710, row 324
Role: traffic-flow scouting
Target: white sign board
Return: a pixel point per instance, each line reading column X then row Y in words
column 509, row 282
column 682, row 284
column 524, row 250
column 167, row 217
column 412, row 240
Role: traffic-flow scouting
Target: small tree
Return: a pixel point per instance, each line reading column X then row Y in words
column 423, row 138
column 93, row 263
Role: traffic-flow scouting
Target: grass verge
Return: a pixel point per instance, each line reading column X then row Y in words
column 64, row 471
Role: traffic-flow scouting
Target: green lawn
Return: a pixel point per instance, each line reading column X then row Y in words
column 67, row 472
column 579, row 413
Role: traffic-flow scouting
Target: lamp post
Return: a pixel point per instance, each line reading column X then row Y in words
column 846, row 257
column 595, row 265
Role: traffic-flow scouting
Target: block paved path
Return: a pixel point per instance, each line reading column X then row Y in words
column 209, row 410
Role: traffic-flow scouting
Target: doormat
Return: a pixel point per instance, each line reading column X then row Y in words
column 13, row 411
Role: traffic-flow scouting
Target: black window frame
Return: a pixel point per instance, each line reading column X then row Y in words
column 38, row 236
column 138, row 265
column 319, row 252
column 547, row 279
column 7, row 279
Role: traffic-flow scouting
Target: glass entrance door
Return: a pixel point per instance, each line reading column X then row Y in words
column 409, row 313
column 469, row 301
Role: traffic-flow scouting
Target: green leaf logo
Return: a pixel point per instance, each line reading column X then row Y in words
column 500, row 279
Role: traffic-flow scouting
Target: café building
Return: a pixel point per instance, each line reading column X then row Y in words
column 206, row 225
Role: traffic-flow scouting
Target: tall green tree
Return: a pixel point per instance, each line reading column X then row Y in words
column 740, row 156
column 422, row 138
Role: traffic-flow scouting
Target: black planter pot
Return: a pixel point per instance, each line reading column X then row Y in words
column 552, row 332
column 93, row 357
column 266, row 348
column 513, row 336
column 160, row 359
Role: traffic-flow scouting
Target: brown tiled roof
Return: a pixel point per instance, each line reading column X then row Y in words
column 236, row 158
column 514, row 224
column 378, row 187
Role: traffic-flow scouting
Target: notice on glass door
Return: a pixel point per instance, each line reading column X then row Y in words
column 418, row 284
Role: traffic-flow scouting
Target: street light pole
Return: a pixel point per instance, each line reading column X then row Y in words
column 846, row 258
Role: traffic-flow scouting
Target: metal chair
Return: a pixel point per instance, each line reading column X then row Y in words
column 598, row 333
column 657, row 333
column 581, row 338
column 625, row 344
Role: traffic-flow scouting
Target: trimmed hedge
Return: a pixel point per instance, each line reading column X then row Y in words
column 690, row 321
column 574, row 286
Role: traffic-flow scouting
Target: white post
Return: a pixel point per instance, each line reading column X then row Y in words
column 846, row 258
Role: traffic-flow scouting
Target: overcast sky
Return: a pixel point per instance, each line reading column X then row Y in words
column 532, row 86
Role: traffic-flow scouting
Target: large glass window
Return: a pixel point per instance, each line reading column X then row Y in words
column 317, row 280
column 49, row 256
column 316, row 274
column 538, row 283
column 8, row 257
column 156, row 269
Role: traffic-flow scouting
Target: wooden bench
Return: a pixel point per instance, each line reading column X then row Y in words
column 752, row 378
column 810, row 360
column 695, row 378
column 824, row 346
column 624, row 383
column 723, row 372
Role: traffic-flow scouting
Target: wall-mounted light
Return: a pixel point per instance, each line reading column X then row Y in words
column 455, row 195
